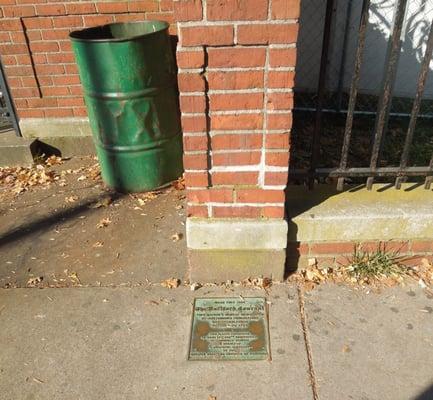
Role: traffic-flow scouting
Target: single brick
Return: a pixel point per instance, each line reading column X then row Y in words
column 276, row 178
column 191, row 82
column 237, row 10
column 195, row 143
column 281, row 79
column 193, row 104
column 18, row 11
column 280, row 121
column 197, row 211
column 236, row 80
column 143, row 6
column 282, row 57
column 51, row 34
column 280, row 101
column 236, row 101
column 259, row 196
column 422, row 246
column 80, row 8
column 50, row 9
column 196, row 179
column 45, row 47
column 207, row 35
column 194, row 123
column 237, row 141
column 58, row 112
column 195, row 161
column 233, row 122
column 277, row 141
column 190, row 59
column 210, row 195
column 267, row 33
column 70, row 101
column 67, row 80
column 241, row 57
column 11, row 49
column 188, row 10
column 93, row 20
column 280, row 159
column 42, row 103
column 235, row 178
column 236, row 212
column 112, row 7
column 31, row 113
column 272, row 212
column 80, row 111
column 73, row 21
column 286, row 9
column 331, row 248
column 241, row 158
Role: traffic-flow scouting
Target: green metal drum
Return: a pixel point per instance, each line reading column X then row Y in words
column 128, row 74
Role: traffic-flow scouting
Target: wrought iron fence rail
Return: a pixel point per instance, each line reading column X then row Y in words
column 373, row 170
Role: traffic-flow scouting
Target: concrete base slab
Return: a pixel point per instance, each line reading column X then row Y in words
column 132, row 343
column 16, row 150
column 383, row 213
column 371, row 346
column 52, row 127
column 235, row 249
column 68, row 146
column 63, row 136
column 222, row 265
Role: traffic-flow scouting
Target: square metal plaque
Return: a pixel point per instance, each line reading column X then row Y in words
column 232, row 328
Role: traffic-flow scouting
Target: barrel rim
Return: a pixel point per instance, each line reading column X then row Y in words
column 75, row 35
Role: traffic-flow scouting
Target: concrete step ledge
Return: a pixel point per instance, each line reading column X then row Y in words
column 16, row 150
column 384, row 213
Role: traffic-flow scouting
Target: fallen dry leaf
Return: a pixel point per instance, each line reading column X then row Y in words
column 176, row 237
column 53, row 160
column 195, row 286
column 346, row 349
column 171, row 283
column 33, row 282
column 104, row 222
column 102, row 203
column 71, row 199
column 179, row 184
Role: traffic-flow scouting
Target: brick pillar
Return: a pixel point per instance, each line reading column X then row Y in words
column 236, row 72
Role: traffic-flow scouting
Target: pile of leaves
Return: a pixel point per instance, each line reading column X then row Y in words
column 19, row 179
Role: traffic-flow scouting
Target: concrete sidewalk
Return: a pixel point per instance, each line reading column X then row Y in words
column 131, row 343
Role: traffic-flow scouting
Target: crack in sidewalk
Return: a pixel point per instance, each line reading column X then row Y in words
column 311, row 371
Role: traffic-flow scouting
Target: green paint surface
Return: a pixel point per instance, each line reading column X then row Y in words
column 128, row 73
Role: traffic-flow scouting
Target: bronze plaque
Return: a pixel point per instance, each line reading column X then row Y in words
column 232, row 328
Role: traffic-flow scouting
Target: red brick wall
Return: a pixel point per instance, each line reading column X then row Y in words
column 236, row 60
column 37, row 53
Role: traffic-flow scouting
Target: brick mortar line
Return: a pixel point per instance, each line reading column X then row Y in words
column 203, row 23
column 236, row 204
column 249, row 132
column 308, row 348
column 273, row 46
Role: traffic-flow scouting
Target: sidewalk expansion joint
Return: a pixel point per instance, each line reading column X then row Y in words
column 307, row 343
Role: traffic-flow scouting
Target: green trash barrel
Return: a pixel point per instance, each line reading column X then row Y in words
column 128, row 73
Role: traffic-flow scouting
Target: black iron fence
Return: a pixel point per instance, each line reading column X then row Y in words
column 8, row 116
column 370, row 116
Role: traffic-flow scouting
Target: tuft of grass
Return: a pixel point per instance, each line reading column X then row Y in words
column 378, row 264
